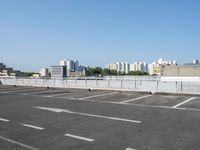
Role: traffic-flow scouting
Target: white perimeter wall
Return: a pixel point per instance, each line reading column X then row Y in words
column 184, row 79
column 128, row 85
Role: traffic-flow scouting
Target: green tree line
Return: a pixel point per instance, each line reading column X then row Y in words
column 98, row 71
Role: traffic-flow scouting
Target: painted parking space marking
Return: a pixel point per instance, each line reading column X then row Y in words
column 86, row 114
column 32, row 126
column 79, row 137
column 3, row 92
column 183, row 102
column 99, row 95
column 118, row 103
column 18, row 143
column 10, row 89
column 130, row 148
column 138, row 98
column 65, row 94
column 18, row 89
column 48, row 91
column 4, row 120
column 15, row 91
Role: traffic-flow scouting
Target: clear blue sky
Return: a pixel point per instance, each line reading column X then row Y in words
column 38, row 33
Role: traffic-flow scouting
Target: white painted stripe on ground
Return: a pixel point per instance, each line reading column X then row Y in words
column 5, row 120
column 183, row 102
column 19, row 90
column 41, row 92
column 18, row 143
column 4, row 92
column 86, row 114
column 32, row 126
column 118, row 103
column 138, row 98
column 61, row 94
column 79, row 137
column 22, row 94
column 130, row 148
column 71, row 98
column 99, row 95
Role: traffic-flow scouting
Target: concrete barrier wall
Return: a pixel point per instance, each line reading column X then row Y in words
column 129, row 85
column 177, row 78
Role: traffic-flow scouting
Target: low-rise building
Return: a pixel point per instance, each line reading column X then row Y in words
column 6, row 72
column 44, row 72
column 58, row 72
column 35, row 75
column 156, row 67
column 182, row 70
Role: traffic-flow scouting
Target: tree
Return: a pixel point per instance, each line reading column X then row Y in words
column 94, row 71
column 137, row 73
column 106, row 71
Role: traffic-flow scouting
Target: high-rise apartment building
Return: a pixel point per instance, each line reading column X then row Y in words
column 153, row 68
column 122, row 67
column 139, row 66
column 73, row 67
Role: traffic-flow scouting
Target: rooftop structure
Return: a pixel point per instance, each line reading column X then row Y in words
column 7, row 72
column 58, row 72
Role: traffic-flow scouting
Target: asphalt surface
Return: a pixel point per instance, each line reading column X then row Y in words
column 35, row 118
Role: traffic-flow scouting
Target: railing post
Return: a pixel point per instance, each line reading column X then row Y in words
column 85, row 82
column 96, row 82
column 181, row 85
column 135, row 84
column 156, row 86
column 108, row 83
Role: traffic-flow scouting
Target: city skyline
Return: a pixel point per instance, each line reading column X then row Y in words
column 102, row 66
column 37, row 34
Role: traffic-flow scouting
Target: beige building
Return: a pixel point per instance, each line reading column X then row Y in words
column 183, row 70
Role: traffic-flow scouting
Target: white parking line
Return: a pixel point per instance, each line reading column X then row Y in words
column 31, row 126
column 79, row 137
column 41, row 92
column 57, row 110
column 183, row 102
column 61, row 94
column 118, row 103
column 99, row 95
column 5, row 120
column 4, row 92
column 18, row 143
column 130, row 100
column 18, row 90
column 130, row 148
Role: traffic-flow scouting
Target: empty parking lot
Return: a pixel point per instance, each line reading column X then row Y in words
column 38, row 118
